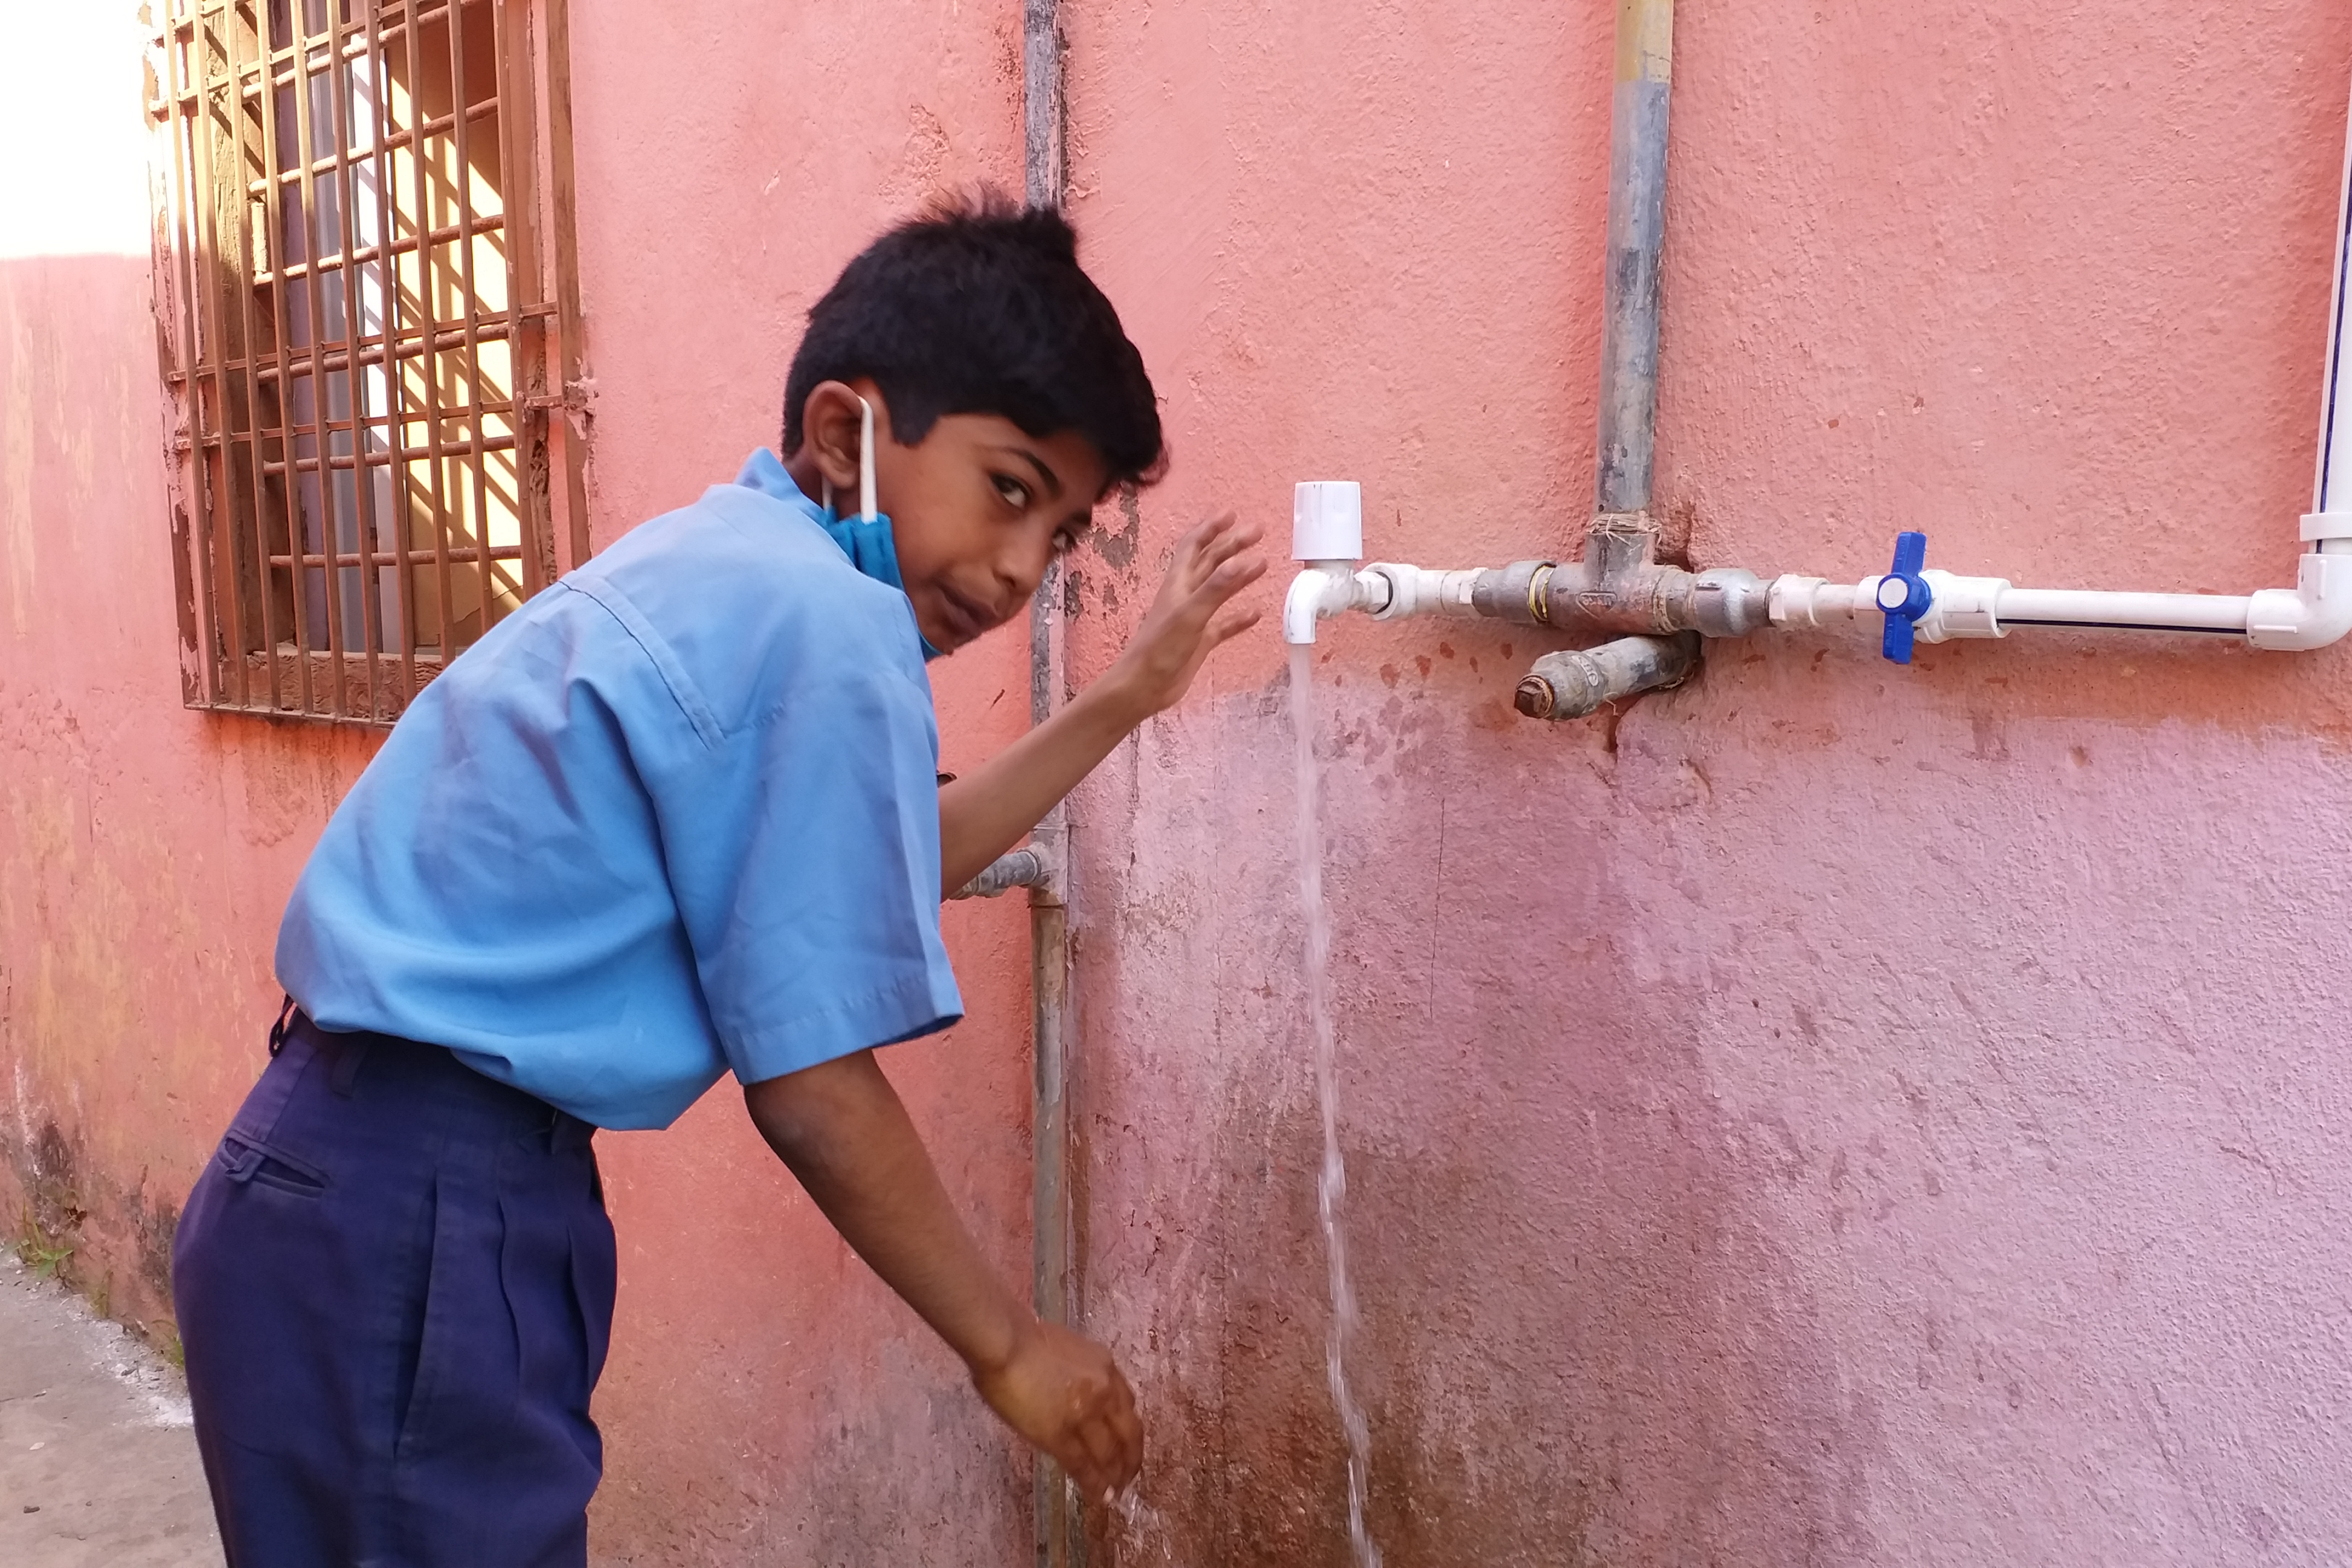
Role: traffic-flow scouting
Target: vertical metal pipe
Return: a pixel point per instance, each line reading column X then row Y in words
column 1060, row 1531
column 1637, row 231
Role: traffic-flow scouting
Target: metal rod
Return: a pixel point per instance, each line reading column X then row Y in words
column 212, row 321
column 431, row 323
column 1054, row 1275
column 307, row 141
column 555, row 58
column 514, row 191
column 463, row 555
column 407, row 345
column 273, row 59
column 490, row 405
column 187, row 173
column 344, row 461
column 339, row 85
column 1637, row 227
column 273, row 213
column 473, row 300
column 376, row 252
column 395, row 422
column 482, row 110
column 245, row 285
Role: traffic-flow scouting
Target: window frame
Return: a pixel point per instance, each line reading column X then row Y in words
column 306, row 391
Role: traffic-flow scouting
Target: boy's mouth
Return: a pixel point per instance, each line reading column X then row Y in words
column 966, row 617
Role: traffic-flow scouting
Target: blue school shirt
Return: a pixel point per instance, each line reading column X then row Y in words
column 677, row 814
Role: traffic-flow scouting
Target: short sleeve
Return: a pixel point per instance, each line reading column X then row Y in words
column 803, row 853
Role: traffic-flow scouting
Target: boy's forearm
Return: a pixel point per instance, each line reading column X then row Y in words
column 842, row 1130
column 987, row 811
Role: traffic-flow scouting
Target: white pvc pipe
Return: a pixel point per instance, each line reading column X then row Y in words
column 2332, row 488
column 2084, row 608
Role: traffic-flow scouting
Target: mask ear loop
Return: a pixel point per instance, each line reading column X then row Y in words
column 867, row 510
column 865, row 506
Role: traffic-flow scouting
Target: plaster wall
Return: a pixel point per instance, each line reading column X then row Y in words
column 766, row 1398
column 1829, row 1114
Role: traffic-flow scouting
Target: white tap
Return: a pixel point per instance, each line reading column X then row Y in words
column 1326, row 532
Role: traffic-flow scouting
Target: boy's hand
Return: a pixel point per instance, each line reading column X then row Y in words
column 1213, row 562
column 1065, row 1395
column 986, row 811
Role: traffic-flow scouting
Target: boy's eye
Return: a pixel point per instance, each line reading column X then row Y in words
column 1065, row 542
column 1011, row 489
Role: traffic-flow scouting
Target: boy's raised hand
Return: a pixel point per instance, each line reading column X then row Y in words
column 1189, row 618
column 1065, row 1395
column 985, row 813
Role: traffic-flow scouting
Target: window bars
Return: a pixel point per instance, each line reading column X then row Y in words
column 367, row 302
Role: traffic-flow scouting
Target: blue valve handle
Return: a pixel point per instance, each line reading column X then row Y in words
column 1903, row 596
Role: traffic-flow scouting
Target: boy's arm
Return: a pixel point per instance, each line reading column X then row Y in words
column 986, row 811
column 841, row 1130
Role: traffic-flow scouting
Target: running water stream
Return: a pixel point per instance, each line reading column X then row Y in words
column 1331, row 1186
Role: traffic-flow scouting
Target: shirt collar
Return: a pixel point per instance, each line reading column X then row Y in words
column 867, row 541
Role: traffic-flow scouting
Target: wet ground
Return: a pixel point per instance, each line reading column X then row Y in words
column 97, row 1465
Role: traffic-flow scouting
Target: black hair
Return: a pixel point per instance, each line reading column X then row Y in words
column 979, row 307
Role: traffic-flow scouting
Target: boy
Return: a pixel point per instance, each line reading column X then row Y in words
column 678, row 814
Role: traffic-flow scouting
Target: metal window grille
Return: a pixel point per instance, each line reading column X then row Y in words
column 368, row 314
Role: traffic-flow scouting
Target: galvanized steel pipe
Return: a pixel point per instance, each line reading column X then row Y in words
column 1573, row 684
column 1637, row 232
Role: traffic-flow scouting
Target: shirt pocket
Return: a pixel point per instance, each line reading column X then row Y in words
column 244, row 1159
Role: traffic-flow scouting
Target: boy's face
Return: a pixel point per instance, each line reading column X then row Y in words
column 978, row 507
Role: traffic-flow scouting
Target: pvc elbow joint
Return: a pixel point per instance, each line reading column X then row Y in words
column 2315, row 612
column 1323, row 588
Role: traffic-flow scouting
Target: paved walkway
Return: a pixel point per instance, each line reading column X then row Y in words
column 98, row 1465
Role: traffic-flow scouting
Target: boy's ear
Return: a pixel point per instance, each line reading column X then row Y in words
column 832, row 424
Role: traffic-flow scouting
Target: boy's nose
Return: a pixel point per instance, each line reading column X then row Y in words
column 1020, row 571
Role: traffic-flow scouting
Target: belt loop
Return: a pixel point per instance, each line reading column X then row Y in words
column 351, row 1051
column 278, row 1030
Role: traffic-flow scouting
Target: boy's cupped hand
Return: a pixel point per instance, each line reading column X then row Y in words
column 1190, row 616
column 1063, row 1393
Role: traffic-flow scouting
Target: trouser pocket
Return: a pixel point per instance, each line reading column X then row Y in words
column 244, row 1158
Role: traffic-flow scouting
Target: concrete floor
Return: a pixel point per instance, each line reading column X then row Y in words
column 97, row 1465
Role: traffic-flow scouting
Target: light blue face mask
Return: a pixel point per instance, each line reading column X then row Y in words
column 867, row 539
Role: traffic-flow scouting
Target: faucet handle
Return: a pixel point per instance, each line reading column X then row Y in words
column 1327, row 521
column 1903, row 596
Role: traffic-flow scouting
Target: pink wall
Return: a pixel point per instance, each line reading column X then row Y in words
column 1830, row 1114
column 768, row 1400
column 1833, row 1113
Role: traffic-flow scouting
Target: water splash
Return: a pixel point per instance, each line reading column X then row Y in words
column 1146, row 1536
column 1331, row 1184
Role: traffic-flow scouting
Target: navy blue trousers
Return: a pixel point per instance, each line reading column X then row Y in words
column 394, row 1285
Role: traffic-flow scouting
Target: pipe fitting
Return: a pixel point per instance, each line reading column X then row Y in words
column 1572, row 684
column 1730, row 601
column 1328, row 588
column 1027, row 867
column 1517, row 593
column 1417, row 591
column 1618, row 585
column 2315, row 612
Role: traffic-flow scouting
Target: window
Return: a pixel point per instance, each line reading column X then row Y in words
column 369, row 318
